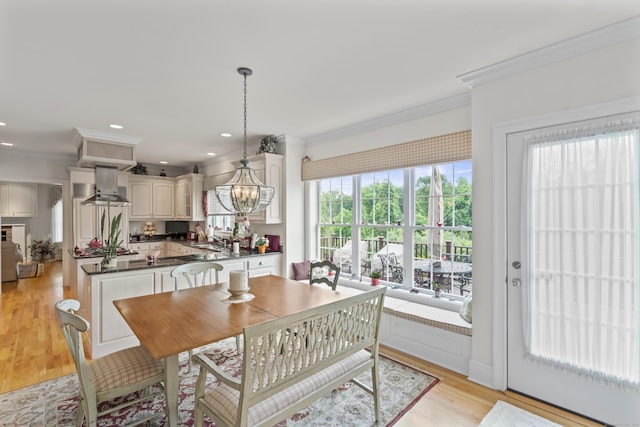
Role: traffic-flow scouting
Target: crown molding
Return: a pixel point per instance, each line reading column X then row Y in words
column 424, row 110
column 593, row 40
column 104, row 136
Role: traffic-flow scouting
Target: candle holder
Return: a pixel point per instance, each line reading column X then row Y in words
column 238, row 284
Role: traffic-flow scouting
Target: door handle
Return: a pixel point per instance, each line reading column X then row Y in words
column 515, row 282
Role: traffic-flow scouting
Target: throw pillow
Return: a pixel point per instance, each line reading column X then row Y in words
column 301, row 270
column 465, row 310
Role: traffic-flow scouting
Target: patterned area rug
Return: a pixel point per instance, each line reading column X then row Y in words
column 504, row 415
column 55, row 402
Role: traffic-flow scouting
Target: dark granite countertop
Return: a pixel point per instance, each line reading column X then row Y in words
column 139, row 264
column 89, row 253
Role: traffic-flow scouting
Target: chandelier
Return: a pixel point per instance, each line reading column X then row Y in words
column 244, row 193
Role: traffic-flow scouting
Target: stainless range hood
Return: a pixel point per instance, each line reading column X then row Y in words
column 106, row 188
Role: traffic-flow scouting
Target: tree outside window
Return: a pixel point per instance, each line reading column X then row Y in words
column 440, row 230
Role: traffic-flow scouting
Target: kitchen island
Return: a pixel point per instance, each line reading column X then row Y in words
column 131, row 278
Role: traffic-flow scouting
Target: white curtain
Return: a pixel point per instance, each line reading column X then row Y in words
column 56, row 222
column 581, row 246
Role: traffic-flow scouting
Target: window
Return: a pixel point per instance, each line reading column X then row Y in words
column 435, row 231
column 56, row 222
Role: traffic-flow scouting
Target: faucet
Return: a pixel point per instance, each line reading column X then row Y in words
column 219, row 240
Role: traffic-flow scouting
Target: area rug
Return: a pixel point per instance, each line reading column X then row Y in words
column 505, row 415
column 55, row 402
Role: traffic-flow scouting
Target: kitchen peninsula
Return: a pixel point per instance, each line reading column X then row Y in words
column 99, row 287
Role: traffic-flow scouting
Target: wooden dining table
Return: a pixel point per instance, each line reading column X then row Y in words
column 169, row 323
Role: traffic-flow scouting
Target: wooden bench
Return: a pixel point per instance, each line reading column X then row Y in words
column 290, row 362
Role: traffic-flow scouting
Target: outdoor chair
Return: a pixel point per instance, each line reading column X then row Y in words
column 391, row 268
column 118, row 374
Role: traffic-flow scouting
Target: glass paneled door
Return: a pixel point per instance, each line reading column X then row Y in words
column 573, row 238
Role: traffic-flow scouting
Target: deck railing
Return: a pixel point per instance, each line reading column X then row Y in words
column 420, row 250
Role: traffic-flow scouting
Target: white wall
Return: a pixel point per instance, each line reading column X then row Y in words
column 598, row 77
column 34, row 167
column 455, row 120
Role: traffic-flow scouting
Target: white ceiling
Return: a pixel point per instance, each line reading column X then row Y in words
column 166, row 70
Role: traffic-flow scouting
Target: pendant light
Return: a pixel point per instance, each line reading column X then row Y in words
column 244, row 193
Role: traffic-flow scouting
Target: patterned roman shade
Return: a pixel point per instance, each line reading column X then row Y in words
column 438, row 149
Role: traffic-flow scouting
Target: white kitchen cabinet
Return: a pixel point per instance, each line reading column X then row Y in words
column 18, row 199
column 151, row 198
column 181, row 199
column 145, row 248
column 188, row 201
column 87, row 222
column 179, row 249
column 109, row 332
column 264, row 265
column 228, row 266
column 268, row 168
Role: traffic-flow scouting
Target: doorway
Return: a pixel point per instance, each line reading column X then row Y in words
column 572, row 279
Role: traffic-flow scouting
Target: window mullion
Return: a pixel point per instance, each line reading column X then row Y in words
column 355, row 227
column 407, row 227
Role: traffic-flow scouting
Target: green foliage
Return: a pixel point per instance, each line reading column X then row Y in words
column 111, row 242
column 382, row 204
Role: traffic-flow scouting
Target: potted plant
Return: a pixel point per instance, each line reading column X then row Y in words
column 111, row 243
column 261, row 244
column 437, row 289
column 375, row 278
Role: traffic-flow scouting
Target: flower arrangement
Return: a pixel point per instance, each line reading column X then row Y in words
column 262, row 241
column 261, row 244
column 42, row 248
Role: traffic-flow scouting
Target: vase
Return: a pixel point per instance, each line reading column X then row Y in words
column 437, row 293
column 262, row 249
column 375, row 281
column 110, row 262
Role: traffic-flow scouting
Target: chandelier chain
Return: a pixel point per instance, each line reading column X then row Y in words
column 245, row 117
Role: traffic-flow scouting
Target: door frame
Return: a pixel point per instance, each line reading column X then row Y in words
column 500, row 261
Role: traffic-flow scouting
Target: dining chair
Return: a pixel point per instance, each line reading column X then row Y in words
column 115, row 375
column 196, row 274
column 317, row 274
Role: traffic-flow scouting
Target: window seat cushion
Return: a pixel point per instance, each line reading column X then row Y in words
column 427, row 315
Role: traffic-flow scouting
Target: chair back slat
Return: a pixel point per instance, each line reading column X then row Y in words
column 197, row 273
column 73, row 326
column 331, row 281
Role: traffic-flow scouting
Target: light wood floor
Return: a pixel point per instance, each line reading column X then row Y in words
column 33, row 350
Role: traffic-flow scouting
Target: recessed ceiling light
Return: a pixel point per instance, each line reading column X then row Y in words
column 3, row 124
column 7, row 144
column 163, row 162
column 226, row 135
column 211, row 154
column 116, row 126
